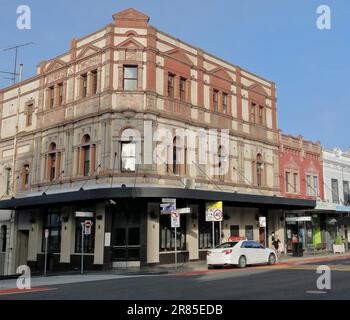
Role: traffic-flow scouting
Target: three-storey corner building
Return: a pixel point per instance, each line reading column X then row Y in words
column 128, row 116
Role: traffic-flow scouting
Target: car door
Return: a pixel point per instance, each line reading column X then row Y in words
column 249, row 251
column 259, row 252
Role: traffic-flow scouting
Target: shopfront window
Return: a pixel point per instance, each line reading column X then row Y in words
column 89, row 240
column 234, row 231
column 52, row 223
column 3, row 238
column 167, row 234
column 206, row 233
column 249, row 232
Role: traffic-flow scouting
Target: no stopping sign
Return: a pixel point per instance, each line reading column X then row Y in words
column 217, row 215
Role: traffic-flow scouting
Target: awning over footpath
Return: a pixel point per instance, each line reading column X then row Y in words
column 239, row 199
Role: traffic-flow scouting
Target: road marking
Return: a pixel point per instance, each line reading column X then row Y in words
column 6, row 292
column 316, row 292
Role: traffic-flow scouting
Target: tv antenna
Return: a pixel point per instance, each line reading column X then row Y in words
column 14, row 74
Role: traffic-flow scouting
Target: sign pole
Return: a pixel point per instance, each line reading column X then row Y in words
column 220, row 232
column 213, row 223
column 82, row 248
column 46, row 245
column 175, row 248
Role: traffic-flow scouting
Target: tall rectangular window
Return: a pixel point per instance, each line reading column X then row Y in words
column 287, row 181
column 182, row 89
column 51, row 98
column 30, row 110
column 130, row 77
column 261, row 115
column 8, row 180
column 215, row 99
column 84, row 85
column 315, row 186
column 224, row 103
column 346, row 192
column 60, row 94
column 25, row 177
column 171, row 80
column 295, row 182
column 128, row 158
column 252, row 112
column 335, row 191
column 94, row 82
column 308, row 185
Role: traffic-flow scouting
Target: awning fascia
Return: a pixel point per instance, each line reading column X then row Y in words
column 66, row 198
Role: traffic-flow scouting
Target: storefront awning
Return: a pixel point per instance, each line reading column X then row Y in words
column 239, row 199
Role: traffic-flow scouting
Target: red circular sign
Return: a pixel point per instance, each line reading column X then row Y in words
column 88, row 224
column 218, row 215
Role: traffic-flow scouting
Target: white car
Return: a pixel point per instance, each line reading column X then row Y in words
column 240, row 253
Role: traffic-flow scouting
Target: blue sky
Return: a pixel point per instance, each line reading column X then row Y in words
column 276, row 39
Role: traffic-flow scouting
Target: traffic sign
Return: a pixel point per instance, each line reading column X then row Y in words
column 217, row 215
column 168, row 205
column 87, row 227
column 262, row 222
column 46, row 233
column 175, row 219
column 213, row 211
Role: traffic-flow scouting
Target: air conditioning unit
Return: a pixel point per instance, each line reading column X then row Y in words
column 188, row 183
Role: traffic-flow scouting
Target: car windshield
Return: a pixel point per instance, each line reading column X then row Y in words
column 226, row 245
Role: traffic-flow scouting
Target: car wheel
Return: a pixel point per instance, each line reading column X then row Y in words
column 272, row 259
column 242, row 262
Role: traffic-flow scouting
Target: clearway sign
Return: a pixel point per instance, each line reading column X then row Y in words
column 175, row 219
column 213, row 211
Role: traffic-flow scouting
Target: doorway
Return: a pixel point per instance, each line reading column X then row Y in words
column 126, row 244
column 22, row 248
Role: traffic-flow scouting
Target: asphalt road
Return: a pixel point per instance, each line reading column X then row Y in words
column 292, row 282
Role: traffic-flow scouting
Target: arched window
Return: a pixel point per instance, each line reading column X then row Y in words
column 52, row 161
column 3, row 238
column 86, row 155
column 259, row 170
column 25, row 177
